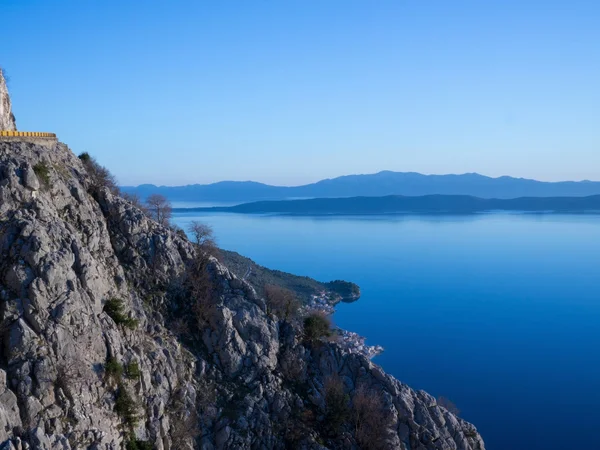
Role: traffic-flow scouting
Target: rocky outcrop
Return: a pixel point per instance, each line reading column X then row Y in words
column 238, row 379
column 7, row 119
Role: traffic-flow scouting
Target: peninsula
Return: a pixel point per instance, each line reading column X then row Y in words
column 398, row 204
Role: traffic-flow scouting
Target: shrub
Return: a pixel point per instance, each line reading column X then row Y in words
column 317, row 325
column 297, row 426
column 136, row 201
column 115, row 309
column 337, row 408
column 138, row 445
column 100, row 176
column 113, row 369
column 449, row 405
column 160, row 208
column 372, row 423
column 292, row 367
column 132, row 370
column 42, row 171
column 72, row 373
column 85, row 157
column 180, row 327
column 178, row 231
column 281, row 302
column 126, row 407
column 185, row 424
column 206, row 395
column 204, row 238
column 202, row 289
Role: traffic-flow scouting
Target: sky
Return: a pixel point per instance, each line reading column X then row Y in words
column 292, row 91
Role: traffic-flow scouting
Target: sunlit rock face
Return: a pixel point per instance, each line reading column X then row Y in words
column 7, row 120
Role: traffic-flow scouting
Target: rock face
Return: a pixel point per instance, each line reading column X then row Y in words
column 237, row 379
column 7, row 119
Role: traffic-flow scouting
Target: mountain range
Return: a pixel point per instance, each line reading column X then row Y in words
column 373, row 185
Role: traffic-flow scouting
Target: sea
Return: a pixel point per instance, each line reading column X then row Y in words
column 499, row 313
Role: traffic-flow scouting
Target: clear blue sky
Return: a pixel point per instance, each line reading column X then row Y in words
column 292, row 91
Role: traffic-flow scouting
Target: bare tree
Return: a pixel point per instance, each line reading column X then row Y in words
column 281, row 302
column 160, row 208
column 202, row 233
column 336, row 402
column 100, row 176
column 449, row 405
column 184, row 421
column 372, row 423
column 136, row 201
column 202, row 290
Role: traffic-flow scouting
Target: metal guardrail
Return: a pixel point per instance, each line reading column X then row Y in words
column 37, row 134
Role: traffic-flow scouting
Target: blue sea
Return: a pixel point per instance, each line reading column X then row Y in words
column 500, row 313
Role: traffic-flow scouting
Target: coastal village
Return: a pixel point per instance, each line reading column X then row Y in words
column 324, row 302
column 348, row 340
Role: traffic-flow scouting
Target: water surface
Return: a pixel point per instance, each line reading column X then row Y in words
column 500, row 313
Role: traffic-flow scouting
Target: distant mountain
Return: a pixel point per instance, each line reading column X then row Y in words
column 429, row 204
column 374, row 185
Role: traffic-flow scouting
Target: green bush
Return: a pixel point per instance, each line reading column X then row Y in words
column 138, row 445
column 113, row 369
column 132, row 370
column 100, row 177
column 316, row 326
column 42, row 171
column 116, row 311
column 126, row 407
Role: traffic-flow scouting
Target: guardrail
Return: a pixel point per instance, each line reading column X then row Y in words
column 37, row 134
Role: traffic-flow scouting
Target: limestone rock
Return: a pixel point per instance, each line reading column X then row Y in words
column 7, row 119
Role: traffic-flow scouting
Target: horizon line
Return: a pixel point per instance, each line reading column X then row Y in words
column 358, row 175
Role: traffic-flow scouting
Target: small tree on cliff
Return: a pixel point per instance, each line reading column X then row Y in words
column 136, row 201
column 449, row 405
column 337, row 403
column 317, row 325
column 160, row 208
column 100, row 176
column 203, row 236
column 372, row 422
column 202, row 233
column 281, row 302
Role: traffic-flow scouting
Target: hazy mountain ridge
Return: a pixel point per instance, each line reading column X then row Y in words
column 375, row 185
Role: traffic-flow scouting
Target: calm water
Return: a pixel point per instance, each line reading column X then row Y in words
column 499, row 313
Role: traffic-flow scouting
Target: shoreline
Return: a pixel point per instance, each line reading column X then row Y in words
column 350, row 341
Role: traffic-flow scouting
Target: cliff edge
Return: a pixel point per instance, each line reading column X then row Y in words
column 7, row 119
column 118, row 333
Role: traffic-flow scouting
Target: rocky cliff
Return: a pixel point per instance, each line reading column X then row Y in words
column 7, row 119
column 118, row 333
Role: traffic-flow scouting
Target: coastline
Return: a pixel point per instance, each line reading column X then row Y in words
column 314, row 295
column 349, row 341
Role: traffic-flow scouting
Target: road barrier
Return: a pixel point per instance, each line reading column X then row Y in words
column 35, row 134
